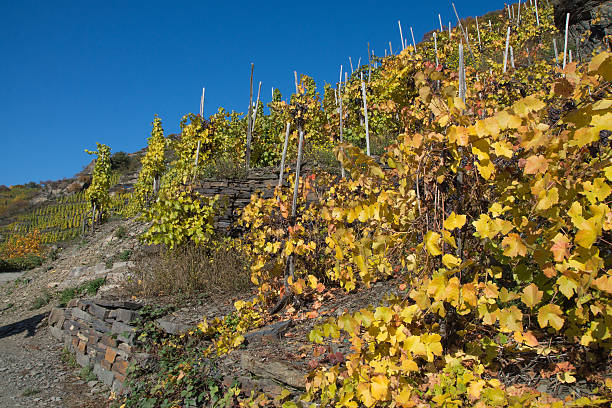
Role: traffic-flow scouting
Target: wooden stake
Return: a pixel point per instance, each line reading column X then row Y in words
column 365, row 115
column 512, row 57
column 478, row 30
column 256, row 106
column 537, row 13
column 462, row 85
column 401, row 35
column 390, row 49
column 556, row 52
column 284, row 156
column 507, row 49
column 351, row 62
column 413, row 42
column 195, row 164
column 249, row 123
column 436, row 48
column 341, row 138
column 298, row 166
column 566, row 33
column 518, row 18
column 463, row 30
column 450, row 33
column 441, row 27
column 202, row 103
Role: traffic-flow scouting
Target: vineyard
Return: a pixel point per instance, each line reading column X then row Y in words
column 61, row 219
column 474, row 168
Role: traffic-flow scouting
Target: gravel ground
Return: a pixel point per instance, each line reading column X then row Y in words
column 32, row 373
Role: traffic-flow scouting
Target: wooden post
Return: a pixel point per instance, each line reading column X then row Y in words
column 351, row 62
column 478, row 31
column 537, row 13
column 463, row 30
column 341, row 138
column 369, row 63
column 390, row 48
column 509, row 15
column 249, row 124
column 256, row 106
column 401, row 35
column 441, row 27
column 450, row 33
column 358, row 63
column 512, row 57
column 195, row 164
column 93, row 217
column 202, row 103
column 284, row 156
column 436, row 48
column 365, row 115
column 462, row 86
column 518, row 17
column 507, row 49
column 566, row 33
column 413, row 42
column 556, row 52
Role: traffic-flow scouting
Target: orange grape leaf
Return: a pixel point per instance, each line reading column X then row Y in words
column 536, row 164
column 513, row 246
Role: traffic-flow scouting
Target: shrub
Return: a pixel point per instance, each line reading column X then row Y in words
column 217, row 268
column 23, row 263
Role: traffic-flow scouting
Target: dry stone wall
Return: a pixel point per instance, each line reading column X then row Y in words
column 101, row 335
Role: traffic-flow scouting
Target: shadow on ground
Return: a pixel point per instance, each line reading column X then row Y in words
column 30, row 325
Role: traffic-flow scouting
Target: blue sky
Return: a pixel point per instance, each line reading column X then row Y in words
column 74, row 73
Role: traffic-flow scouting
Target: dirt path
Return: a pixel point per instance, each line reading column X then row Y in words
column 32, row 373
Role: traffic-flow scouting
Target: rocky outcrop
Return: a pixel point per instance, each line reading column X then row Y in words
column 590, row 23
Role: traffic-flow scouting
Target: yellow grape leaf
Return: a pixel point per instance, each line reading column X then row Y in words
column 587, row 233
column 596, row 191
column 513, row 246
column 566, row 377
column 383, row 313
column 492, row 126
column 511, row 319
column 449, row 239
column 584, row 136
column 496, row 209
column 380, row 388
column 474, row 389
column 365, row 394
column 548, row 198
column 527, row 105
column 561, row 247
column 486, row 168
column 608, row 172
column 450, row 261
column 508, row 121
column 361, row 264
column 567, row 286
column 602, row 64
column 608, row 383
column 483, row 227
column 458, row 135
column 575, row 213
column 403, row 398
column 454, row 221
column 432, row 243
column 536, row 164
column 550, row 314
column 501, row 226
column 503, row 148
column 532, row 295
column 312, row 281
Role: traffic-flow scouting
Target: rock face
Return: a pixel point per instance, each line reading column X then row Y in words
column 590, row 23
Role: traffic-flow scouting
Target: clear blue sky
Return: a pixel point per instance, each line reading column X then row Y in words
column 74, row 73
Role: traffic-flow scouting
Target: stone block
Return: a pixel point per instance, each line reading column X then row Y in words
column 82, row 336
column 82, row 359
column 108, row 341
column 125, row 315
column 56, row 332
column 110, row 355
column 81, row 315
column 55, row 315
column 103, row 374
column 100, row 325
column 75, row 342
column 118, row 387
column 126, row 348
column 123, row 331
column 273, row 369
column 120, row 366
column 108, row 366
column 171, row 327
column 117, row 304
column 98, row 311
column 81, row 347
